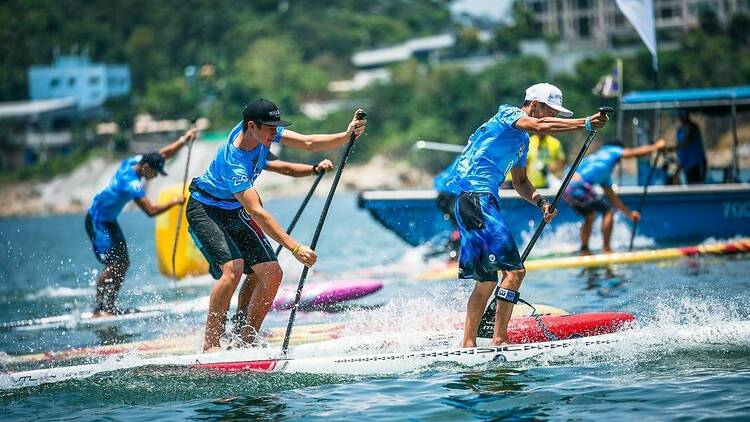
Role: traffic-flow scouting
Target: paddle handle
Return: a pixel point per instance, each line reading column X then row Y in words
column 301, row 209
column 360, row 115
column 566, row 181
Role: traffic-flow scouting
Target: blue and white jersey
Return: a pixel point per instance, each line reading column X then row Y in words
column 124, row 186
column 440, row 181
column 232, row 171
column 493, row 149
column 597, row 167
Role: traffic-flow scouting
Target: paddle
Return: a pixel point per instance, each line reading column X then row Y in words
column 487, row 324
column 301, row 209
column 182, row 206
column 643, row 197
column 360, row 116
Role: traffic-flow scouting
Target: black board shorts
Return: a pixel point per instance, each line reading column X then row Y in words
column 225, row 235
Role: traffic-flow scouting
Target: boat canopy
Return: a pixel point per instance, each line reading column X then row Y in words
column 712, row 100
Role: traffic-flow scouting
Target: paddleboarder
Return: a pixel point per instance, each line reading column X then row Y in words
column 596, row 169
column 497, row 147
column 107, row 239
column 226, row 217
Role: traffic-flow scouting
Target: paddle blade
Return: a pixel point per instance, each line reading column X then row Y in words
column 487, row 324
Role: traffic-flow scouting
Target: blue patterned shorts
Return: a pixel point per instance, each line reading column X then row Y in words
column 487, row 244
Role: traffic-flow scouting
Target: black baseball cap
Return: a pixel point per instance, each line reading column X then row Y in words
column 263, row 111
column 155, row 161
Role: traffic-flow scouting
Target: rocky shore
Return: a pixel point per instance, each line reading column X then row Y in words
column 72, row 193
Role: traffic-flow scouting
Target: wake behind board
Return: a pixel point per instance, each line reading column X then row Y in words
column 592, row 328
column 190, row 342
column 313, row 297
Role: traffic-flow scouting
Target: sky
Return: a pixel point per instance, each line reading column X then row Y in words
column 498, row 9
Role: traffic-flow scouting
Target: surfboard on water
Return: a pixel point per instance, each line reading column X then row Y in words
column 314, row 296
column 531, row 334
column 601, row 260
column 189, row 342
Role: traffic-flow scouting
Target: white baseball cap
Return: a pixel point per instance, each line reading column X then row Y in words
column 548, row 94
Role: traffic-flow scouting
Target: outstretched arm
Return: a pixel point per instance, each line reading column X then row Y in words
column 323, row 142
column 152, row 209
column 550, row 125
column 643, row 150
column 171, row 149
column 297, row 169
column 251, row 202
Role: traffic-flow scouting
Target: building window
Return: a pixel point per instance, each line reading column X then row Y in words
column 94, row 80
column 583, row 4
column 666, row 12
column 72, row 82
column 54, row 83
column 584, row 31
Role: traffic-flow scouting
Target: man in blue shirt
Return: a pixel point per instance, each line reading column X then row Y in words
column 497, row 147
column 228, row 221
column 596, row 169
column 690, row 152
column 106, row 236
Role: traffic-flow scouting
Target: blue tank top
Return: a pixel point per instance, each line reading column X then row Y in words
column 597, row 167
column 493, row 149
column 232, row 171
column 689, row 154
column 124, row 186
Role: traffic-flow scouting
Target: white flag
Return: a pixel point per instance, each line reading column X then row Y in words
column 640, row 13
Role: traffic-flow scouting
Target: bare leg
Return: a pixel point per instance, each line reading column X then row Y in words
column 246, row 292
column 269, row 276
column 221, row 296
column 108, row 284
column 512, row 281
column 475, row 310
column 608, row 220
column 588, row 224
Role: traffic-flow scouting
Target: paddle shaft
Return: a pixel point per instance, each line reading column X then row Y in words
column 182, row 207
column 301, row 209
column 643, row 197
column 564, row 186
column 489, row 313
column 285, row 345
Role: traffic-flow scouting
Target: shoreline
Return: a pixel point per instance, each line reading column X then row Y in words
column 72, row 193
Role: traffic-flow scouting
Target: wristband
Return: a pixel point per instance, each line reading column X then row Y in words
column 296, row 249
column 315, row 170
column 588, row 124
column 541, row 201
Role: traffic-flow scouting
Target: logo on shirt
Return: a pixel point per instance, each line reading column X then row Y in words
column 238, row 180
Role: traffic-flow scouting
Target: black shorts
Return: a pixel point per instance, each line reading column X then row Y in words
column 107, row 241
column 225, row 235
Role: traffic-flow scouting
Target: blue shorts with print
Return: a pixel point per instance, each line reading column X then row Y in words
column 107, row 241
column 487, row 244
column 583, row 198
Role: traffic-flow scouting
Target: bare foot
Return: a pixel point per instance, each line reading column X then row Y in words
column 469, row 344
column 99, row 314
column 214, row 349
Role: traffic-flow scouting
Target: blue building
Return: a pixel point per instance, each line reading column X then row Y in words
column 90, row 84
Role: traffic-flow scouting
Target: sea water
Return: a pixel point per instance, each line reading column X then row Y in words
column 689, row 358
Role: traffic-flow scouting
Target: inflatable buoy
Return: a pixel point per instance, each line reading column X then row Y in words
column 189, row 261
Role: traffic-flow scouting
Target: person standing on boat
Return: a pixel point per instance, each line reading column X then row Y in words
column 107, row 239
column 596, row 169
column 497, row 147
column 227, row 219
column 690, row 153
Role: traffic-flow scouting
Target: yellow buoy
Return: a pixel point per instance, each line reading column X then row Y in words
column 189, row 261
